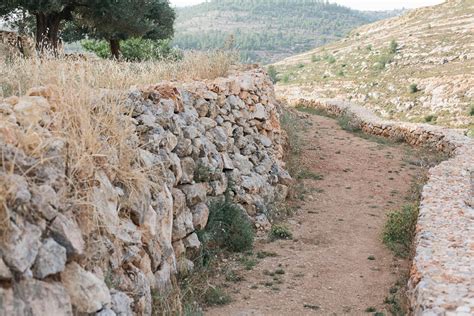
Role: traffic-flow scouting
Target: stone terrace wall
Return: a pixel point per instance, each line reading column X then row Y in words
column 191, row 138
column 442, row 275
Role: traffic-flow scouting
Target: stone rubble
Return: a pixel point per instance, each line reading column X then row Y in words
column 442, row 274
column 191, row 138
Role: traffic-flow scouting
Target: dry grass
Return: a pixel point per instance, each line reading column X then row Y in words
column 88, row 114
column 19, row 75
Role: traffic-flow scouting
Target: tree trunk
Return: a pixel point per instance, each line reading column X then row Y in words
column 47, row 32
column 115, row 48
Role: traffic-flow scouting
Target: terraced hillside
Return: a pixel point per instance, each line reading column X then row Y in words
column 267, row 31
column 418, row 67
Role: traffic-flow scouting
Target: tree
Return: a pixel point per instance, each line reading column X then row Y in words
column 126, row 19
column 110, row 19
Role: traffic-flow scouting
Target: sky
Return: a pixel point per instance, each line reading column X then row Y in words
column 355, row 4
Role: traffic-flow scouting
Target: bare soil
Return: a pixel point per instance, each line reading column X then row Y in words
column 336, row 263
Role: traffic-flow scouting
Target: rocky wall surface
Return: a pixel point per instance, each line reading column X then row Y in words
column 192, row 139
column 442, row 275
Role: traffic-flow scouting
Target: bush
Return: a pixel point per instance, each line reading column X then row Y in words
column 286, row 78
column 272, row 73
column 393, row 47
column 471, row 110
column 347, row 123
column 280, row 232
column 330, row 59
column 300, row 65
column 227, row 228
column 413, row 88
column 400, row 229
column 315, row 58
column 430, row 118
column 135, row 49
column 216, row 296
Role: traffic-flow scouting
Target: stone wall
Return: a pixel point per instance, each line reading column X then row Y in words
column 442, row 274
column 191, row 139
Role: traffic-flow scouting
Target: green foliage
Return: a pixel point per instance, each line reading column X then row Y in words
column 266, row 30
column 280, row 232
column 216, row 296
column 347, row 123
column 400, row 229
column 315, row 58
column 272, row 72
column 430, row 118
column 393, row 47
column 330, row 59
column 285, row 78
column 383, row 60
column 300, row 65
column 471, row 110
column 202, row 173
column 227, row 228
column 413, row 88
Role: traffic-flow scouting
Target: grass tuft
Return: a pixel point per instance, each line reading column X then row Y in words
column 280, row 232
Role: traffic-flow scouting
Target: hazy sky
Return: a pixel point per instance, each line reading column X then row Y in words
column 356, row 4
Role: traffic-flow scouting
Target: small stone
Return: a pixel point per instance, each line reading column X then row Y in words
column 195, row 193
column 200, row 216
column 88, row 293
column 51, row 259
column 5, row 273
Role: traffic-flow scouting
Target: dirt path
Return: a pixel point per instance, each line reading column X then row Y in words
column 336, row 263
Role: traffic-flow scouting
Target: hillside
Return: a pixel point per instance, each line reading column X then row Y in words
column 267, row 30
column 418, row 67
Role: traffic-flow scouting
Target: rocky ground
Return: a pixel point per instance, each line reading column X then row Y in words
column 336, row 262
column 427, row 75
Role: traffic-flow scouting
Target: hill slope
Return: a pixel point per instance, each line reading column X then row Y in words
column 267, row 30
column 417, row 67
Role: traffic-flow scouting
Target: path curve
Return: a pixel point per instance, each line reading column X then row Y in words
column 336, row 264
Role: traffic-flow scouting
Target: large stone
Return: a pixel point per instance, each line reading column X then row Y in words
column 51, row 259
column 220, row 138
column 195, row 193
column 187, row 166
column 44, row 299
column 243, row 164
column 200, row 215
column 5, row 273
column 21, row 246
column 121, row 303
column 68, row 234
column 45, row 201
column 179, row 201
column 10, row 305
column 88, row 293
column 260, row 113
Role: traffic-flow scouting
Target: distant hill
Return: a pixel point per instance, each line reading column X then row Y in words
column 267, row 30
column 417, row 67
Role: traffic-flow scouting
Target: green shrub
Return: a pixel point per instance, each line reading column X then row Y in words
column 216, row 296
column 430, row 118
column 471, row 110
column 272, row 73
column 393, row 47
column 300, row 65
column 347, row 123
column 399, row 229
column 383, row 60
column 227, row 228
column 330, row 59
column 286, row 78
column 315, row 58
column 413, row 88
column 135, row 49
column 280, row 232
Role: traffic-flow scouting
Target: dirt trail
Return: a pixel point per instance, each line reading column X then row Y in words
column 336, row 263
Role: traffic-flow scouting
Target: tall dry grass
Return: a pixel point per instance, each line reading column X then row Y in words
column 88, row 113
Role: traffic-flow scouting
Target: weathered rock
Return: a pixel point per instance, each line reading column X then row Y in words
column 121, row 303
column 88, row 293
column 10, row 304
column 51, row 259
column 200, row 215
column 195, row 193
column 21, row 246
column 5, row 273
column 106, row 312
column 187, row 166
column 44, row 298
column 68, row 234
column 45, row 201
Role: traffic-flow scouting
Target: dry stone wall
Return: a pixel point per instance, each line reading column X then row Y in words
column 442, row 275
column 191, row 139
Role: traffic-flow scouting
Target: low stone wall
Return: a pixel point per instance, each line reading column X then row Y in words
column 107, row 252
column 442, row 275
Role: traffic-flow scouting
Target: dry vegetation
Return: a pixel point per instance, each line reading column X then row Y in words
column 87, row 113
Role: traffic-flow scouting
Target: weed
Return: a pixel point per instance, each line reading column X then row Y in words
column 285, row 78
column 371, row 257
column 400, row 229
column 315, row 58
column 340, row 73
column 280, row 232
column 393, row 47
column 227, row 228
column 264, row 254
column 233, row 276
column 248, row 263
column 430, row 118
column 272, row 73
column 216, row 296
column 279, row 271
column 348, row 123
column 471, row 110
column 330, row 59
column 308, row 174
column 370, row 309
column 300, row 65
column 413, row 88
